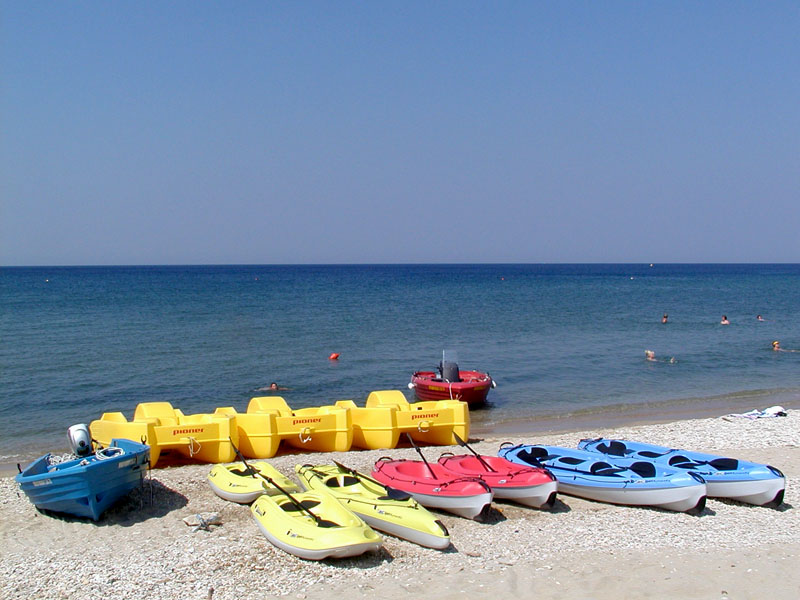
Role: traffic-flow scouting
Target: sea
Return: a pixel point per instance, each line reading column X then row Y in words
column 565, row 342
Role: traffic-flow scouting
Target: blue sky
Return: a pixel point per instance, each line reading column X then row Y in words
column 363, row 132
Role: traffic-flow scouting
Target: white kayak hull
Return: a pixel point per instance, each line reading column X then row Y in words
column 468, row 507
column 542, row 495
column 320, row 554
column 680, row 499
column 416, row 536
column 760, row 492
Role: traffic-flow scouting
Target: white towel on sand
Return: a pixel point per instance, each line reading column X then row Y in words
column 772, row 411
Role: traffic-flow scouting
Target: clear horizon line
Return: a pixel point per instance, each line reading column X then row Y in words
column 374, row 264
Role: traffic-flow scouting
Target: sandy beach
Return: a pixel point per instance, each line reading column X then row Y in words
column 580, row 549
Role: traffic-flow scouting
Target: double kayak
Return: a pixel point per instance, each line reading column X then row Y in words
column 527, row 485
column 312, row 525
column 386, row 509
column 740, row 480
column 619, row 481
column 245, row 483
column 434, row 486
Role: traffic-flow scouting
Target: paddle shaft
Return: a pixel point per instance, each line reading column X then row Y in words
column 389, row 490
column 269, row 480
column 421, row 455
column 478, row 456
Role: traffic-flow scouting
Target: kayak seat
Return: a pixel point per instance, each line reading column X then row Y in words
column 534, row 455
column 605, row 469
column 571, row 460
column 649, row 454
column 307, row 504
column 725, row 464
column 346, row 481
column 677, row 459
column 613, row 448
column 243, row 472
column 644, row 469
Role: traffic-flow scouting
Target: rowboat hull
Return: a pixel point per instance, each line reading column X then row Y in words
column 472, row 389
column 86, row 487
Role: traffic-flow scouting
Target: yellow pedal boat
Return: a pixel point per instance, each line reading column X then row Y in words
column 202, row 437
column 244, row 483
column 313, row 525
column 269, row 420
column 388, row 510
column 387, row 415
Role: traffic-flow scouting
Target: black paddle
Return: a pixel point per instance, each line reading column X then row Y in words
column 297, row 503
column 392, row 493
column 478, row 456
column 422, row 456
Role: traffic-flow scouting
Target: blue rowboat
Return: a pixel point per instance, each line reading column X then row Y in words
column 86, row 487
column 620, row 481
column 740, row 480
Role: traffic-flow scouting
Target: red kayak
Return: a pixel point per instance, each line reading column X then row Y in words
column 529, row 486
column 434, row 486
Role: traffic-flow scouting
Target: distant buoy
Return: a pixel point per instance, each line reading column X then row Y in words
column 334, row 356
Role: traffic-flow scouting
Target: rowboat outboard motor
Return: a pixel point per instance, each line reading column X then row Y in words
column 449, row 370
column 80, row 442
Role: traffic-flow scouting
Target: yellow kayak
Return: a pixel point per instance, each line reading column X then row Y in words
column 239, row 483
column 388, row 510
column 313, row 525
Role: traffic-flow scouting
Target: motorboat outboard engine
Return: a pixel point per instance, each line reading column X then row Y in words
column 449, row 371
column 80, row 441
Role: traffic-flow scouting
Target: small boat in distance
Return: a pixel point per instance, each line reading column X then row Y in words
column 451, row 383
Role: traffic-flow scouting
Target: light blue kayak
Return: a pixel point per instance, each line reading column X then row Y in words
column 619, row 481
column 732, row 478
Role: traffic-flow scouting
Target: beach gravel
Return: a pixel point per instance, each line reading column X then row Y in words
column 142, row 548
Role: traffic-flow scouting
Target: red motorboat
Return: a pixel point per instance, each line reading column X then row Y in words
column 450, row 383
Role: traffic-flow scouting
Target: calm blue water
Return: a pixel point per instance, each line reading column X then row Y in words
column 559, row 339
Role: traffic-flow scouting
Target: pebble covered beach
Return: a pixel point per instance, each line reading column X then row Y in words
column 142, row 547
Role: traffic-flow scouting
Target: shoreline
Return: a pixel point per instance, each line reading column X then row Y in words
column 608, row 416
column 579, row 549
column 625, row 415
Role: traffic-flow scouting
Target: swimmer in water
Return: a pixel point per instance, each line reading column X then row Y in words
column 759, row 318
column 272, row 387
column 664, row 318
column 724, row 320
column 651, row 356
column 776, row 346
